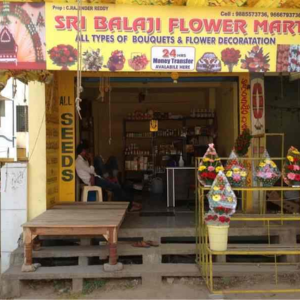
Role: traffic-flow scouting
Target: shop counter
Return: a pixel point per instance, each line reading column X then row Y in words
column 171, row 190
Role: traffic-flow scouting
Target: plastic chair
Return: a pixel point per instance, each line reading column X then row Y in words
column 87, row 189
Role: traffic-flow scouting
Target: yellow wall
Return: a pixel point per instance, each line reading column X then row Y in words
column 37, row 151
column 227, row 115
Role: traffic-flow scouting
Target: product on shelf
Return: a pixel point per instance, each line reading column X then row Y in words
column 235, row 171
column 209, row 167
column 202, row 113
column 139, row 134
column 133, row 149
column 267, row 172
column 291, row 170
column 137, row 164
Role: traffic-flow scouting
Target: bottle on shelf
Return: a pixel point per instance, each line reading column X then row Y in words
column 181, row 162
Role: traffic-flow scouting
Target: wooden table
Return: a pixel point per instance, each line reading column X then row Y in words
column 74, row 219
column 91, row 205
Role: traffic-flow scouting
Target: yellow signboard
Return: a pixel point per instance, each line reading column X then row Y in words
column 66, row 137
column 173, row 39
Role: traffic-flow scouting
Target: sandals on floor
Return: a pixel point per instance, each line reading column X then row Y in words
column 145, row 244
column 141, row 244
column 135, row 209
column 152, row 244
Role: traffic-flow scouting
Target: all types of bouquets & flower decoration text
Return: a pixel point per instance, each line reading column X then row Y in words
column 291, row 170
column 209, row 167
column 267, row 171
column 235, row 171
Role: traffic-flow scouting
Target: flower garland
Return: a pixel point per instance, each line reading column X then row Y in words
column 292, row 167
column 209, row 167
column 242, row 143
column 267, row 172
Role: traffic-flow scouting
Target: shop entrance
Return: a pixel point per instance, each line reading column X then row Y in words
column 190, row 114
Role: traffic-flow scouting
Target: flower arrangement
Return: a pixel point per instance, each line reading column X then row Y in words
column 216, row 220
column 256, row 61
column 230, row 57
column 209, row 167
column 267, row 172
column 221, row 197
column 235, row 171
column 242, row 143
column 292, row 167
column 63, row 55
column 222, row 202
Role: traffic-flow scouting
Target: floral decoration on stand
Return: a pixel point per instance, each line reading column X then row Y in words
column 256, row 61
column 235, row 171
column 209, row 167
column 230, row 57
column 291, row 170
column 267, row 172
column 92, row 60
column 222, row 201
column 63, row 55
column 242, row 143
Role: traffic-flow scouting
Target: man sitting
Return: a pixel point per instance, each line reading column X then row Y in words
column 86, row 172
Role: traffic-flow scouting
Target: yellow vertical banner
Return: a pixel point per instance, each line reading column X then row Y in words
column 245, row 122
column 66, row 137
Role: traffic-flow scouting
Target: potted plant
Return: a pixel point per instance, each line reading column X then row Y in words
column 267, row 172
column 235, row 171
column 222, row 203
column 209, row 167
column 291, row 168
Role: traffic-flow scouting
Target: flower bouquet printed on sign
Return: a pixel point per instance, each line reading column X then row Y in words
column 222, row 204
column 235, row 171
column 291, row 169
column 63, row 55
column 209, row 167
column 267, row 172
column 230, row 57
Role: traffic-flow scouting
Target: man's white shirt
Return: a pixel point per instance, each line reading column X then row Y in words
column 84, row 170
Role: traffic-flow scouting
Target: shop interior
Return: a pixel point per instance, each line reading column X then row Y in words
column 191, row 113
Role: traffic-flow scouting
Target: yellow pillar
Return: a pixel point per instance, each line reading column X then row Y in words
column 37, row 150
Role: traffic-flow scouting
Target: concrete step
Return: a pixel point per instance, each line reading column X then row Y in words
column 129, row 271
column 135, row 271
column 123, row 250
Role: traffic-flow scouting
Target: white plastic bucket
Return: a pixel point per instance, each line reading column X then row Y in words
column 218, row 237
